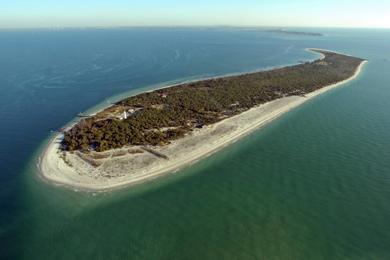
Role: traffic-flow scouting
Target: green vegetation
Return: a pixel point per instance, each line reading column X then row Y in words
column 158, row 117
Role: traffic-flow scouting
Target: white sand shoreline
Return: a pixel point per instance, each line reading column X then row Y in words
column 132, row 169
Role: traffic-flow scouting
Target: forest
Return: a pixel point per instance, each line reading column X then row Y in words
column 160, row 116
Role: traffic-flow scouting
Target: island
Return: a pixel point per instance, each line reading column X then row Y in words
column 151, row 134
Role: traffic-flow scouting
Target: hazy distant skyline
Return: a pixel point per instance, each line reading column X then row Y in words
column 277, row 13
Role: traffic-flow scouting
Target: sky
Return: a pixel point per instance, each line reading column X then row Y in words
column 277, row 13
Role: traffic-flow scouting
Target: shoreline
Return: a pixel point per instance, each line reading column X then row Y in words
column 220, row 135
column 103, row 105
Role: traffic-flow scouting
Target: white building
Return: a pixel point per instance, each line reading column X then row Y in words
column 123, row 116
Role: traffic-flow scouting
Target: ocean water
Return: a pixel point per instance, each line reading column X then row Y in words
column 314, row 184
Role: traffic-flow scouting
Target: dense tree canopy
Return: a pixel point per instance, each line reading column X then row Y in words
column 166, row 114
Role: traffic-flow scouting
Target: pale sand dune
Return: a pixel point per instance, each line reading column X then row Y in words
column 135, row 168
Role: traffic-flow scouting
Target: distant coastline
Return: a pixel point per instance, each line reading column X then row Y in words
column 134, row 164
column 299, row 33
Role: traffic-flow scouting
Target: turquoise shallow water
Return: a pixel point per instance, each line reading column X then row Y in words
column 314, row 184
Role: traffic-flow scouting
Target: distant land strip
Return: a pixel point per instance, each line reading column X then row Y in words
column 283, row 31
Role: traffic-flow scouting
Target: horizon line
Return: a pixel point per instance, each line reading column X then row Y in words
column 189, row 26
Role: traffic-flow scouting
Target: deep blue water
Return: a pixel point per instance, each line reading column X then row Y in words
column 314, row 184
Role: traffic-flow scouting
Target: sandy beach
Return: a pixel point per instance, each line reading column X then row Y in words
column 132, row 165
